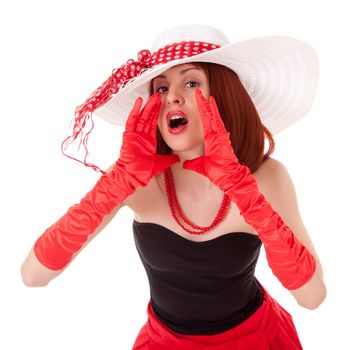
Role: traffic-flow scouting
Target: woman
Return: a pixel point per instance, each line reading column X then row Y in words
column 196, row 152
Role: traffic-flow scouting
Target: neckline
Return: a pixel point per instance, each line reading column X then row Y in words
column 239, row 233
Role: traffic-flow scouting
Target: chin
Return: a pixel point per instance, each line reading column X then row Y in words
column 185, row 142
column 187, row 147
column 182, row 142
column 180, row 147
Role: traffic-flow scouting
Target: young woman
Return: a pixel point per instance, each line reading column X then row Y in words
column 205, row 196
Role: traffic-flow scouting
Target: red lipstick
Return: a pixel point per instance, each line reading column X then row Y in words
column 179, row 129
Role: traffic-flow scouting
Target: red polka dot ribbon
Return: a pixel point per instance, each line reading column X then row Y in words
column 119, row 78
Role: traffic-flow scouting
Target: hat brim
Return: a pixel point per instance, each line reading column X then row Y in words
column 279, row 73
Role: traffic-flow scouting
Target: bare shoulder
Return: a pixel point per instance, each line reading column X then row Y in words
column 276, row 184
column 271, row 175
column 270, row 165
column 278, row 188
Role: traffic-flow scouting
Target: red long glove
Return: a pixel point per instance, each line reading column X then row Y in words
column 137, row 164
column 288, row 259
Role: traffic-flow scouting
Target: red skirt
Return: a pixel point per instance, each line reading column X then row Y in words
column 270, row 327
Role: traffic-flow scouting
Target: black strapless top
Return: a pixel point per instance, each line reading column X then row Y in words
column 199, row 287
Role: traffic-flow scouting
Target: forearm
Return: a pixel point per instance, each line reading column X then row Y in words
column 57, row 245
column 312, row 293
column 35, row 274
column 290, row 261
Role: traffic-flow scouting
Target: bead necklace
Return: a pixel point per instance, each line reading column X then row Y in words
column 178, row 214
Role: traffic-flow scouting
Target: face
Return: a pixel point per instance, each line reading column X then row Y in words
column 177, row 89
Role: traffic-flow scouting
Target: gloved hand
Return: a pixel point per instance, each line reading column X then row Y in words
column 137, row 164
column 288, row 259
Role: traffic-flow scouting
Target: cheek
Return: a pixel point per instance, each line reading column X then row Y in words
column 192, row 98
column 206, row 92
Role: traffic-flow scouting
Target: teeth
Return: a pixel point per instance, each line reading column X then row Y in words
column 176, row 117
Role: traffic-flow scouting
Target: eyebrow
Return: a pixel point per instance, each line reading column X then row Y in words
column 183, row 71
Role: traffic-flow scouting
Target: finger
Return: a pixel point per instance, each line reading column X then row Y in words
column 145, row 114
column 204, row 111
column 154, row 117
column 213, row 121
column 151, row 125
column 132, row 118
column 216, row 116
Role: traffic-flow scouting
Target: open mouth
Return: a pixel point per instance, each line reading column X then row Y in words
column 176, row 121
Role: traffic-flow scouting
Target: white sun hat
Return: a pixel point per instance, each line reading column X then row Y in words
column 279, row 73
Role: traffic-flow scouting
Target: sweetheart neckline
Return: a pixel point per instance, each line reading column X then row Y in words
column 245, row 234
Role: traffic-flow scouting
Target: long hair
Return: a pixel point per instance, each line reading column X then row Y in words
column 239, row 115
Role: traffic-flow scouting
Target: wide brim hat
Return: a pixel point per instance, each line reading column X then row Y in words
column 279, row 73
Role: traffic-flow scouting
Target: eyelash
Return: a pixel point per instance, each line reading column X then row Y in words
column 189, row 82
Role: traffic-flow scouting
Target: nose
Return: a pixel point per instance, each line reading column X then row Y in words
column 174, row 96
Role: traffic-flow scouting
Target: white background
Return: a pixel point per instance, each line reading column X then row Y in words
column 54, row 54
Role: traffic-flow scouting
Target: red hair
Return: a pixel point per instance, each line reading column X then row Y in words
column 239, row 115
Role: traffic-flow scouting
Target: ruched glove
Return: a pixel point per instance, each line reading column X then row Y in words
column 137, row 164
column 287, row 257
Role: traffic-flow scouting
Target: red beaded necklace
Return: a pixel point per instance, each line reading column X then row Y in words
column 176, row 210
